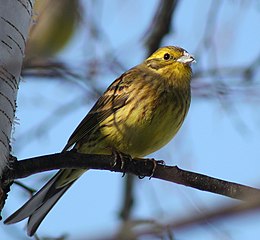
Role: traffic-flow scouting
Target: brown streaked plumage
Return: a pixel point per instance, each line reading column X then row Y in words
column 140, row 112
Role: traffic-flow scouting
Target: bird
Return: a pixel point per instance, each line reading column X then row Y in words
column 139, row 113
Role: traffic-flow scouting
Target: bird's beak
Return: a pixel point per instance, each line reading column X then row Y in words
column 186, row 58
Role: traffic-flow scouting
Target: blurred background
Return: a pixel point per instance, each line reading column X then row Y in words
column 77, row 48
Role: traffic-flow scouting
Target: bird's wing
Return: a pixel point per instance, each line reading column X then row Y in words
column 113, row 99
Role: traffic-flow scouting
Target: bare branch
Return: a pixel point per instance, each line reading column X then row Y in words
column 217, row 214
column 128, row 198
column 160, row 24
column 159, row 28
column 139, row 167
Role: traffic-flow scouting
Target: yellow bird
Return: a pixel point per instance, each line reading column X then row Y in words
column 139, row 113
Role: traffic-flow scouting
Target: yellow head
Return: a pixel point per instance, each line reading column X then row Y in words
column 172, row 63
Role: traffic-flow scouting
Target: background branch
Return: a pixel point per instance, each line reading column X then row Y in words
column 161, row 24
column 204, row 218
column 158, row 29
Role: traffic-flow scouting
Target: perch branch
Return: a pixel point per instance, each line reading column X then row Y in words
column 139, row 167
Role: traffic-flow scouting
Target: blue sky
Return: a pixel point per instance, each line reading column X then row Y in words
column 220, row 137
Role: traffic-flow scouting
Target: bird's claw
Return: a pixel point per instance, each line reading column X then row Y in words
column 120, row 157
column 155, row 163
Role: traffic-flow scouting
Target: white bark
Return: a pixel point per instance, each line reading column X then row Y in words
column 15, row 17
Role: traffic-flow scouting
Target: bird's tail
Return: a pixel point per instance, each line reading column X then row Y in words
column 43, row 201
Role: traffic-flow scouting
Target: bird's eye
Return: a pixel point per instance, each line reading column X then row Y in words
column 166, row 56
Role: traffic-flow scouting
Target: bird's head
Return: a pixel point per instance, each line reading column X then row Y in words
column 171, row 62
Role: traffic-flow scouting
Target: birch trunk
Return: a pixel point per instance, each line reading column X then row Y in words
column 15, row 17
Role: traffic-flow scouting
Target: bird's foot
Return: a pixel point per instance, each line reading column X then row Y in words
column 120, row 157
column 155, row 163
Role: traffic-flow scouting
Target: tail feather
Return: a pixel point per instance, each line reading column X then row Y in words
column 32, row 204
column 39, row 214
column 43, row 201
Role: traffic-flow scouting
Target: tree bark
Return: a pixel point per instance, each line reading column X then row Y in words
column 15, row 18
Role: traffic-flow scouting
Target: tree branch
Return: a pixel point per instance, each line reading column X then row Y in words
column 158, row 29
column 128, row 197
column 161, row 24
column 214, row 215
column 139, row 167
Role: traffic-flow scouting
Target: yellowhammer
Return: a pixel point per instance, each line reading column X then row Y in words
column 139, row 113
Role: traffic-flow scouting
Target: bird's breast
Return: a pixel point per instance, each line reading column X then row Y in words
column 143, row 126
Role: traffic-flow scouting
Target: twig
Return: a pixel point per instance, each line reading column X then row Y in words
column 217, row 214
column 31, row 191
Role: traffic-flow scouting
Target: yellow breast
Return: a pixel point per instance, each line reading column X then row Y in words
column 146, row 126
